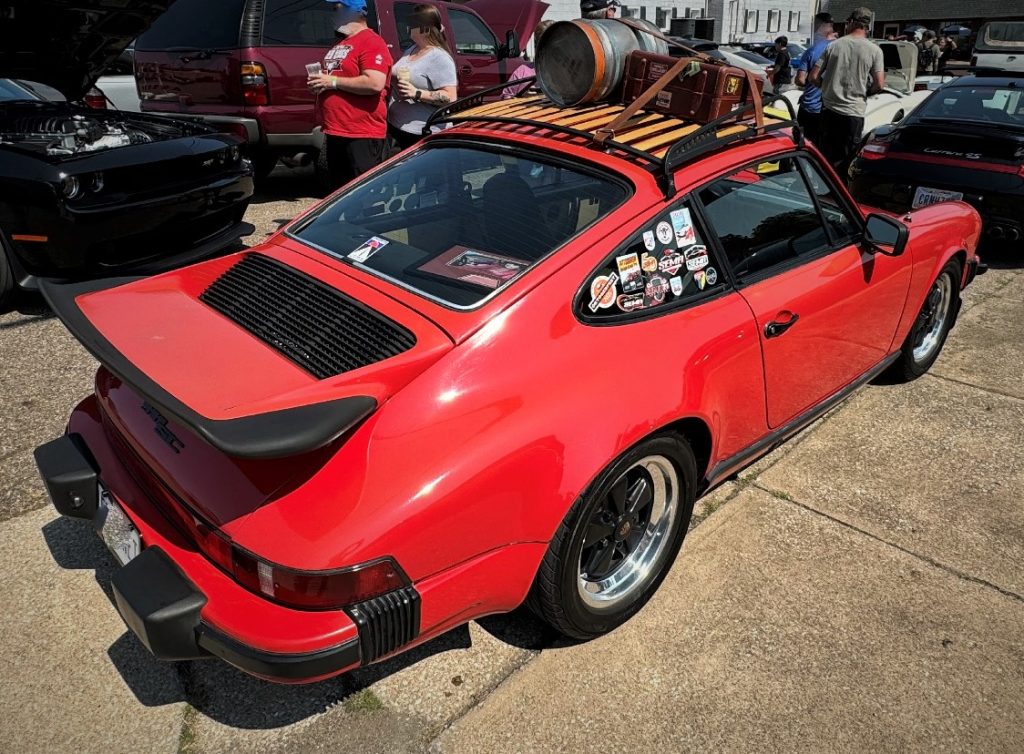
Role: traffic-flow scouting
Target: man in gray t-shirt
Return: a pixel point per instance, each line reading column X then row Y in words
column 850, row 70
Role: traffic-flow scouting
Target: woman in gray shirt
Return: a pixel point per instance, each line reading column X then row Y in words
column 424, row 78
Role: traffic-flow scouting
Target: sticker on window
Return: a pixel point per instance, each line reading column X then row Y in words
column 671, row 262
column 649, row 243
column 602, row 291
column 712, row 275
column 630, row 302
column 649, row 263
column 696, row 258
column 476, row 267
column 682, row 224
column 656, row 290
column 631, row 274
column 368, row 249
column 664, row 232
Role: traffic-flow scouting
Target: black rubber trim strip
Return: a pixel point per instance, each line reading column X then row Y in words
column 771, row 441
column 276, row 434
column 286, row 667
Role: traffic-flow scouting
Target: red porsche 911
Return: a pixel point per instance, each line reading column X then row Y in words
column 498, row 369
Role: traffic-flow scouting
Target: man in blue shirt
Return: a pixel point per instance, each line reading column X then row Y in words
column 809, row 115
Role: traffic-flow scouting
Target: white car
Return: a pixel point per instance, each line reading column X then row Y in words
column 900, row 96
column 1000, row 45
column 118, row 83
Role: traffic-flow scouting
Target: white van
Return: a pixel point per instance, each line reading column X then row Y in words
column 1000, row 45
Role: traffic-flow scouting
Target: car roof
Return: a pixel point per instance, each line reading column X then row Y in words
column 656, row 142
column 1000, row 79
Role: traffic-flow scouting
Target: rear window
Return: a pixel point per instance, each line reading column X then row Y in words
column 984, row 104
column 456, row 224
column 302, row 23
column 1001, row 34
column 195, row 25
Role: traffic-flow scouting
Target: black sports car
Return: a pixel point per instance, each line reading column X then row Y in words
column 966, row 141
column 91, row 193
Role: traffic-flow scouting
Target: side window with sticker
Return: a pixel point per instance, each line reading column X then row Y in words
column 666, row 263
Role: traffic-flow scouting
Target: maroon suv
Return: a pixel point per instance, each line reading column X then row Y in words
column 240, row 64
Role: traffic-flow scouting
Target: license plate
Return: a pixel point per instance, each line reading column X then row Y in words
column 925, row 197
column 116, row 529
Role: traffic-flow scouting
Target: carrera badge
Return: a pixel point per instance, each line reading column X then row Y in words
column 162, row 431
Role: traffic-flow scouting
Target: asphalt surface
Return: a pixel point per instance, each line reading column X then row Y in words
column 860, row 588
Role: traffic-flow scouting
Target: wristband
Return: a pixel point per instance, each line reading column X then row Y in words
column 419, row 94
column 334, row 82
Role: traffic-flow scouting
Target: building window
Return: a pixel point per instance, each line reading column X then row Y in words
column 661, row 17
column 643, row 12
column 627, row 12
column 794, row 20
column 774, row 20
column 750, row 23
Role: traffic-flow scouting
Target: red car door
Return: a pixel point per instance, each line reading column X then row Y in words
column 826, row 308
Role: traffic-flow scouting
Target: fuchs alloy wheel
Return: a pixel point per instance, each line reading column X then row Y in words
column 618, row 540
column 931, row 327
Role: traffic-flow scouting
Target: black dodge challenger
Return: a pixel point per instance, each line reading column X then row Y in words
column 966, row 141
column 91, row 193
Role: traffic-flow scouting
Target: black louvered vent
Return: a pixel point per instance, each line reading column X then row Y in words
column 252, row 21
column 319, row 328
column 386, row 623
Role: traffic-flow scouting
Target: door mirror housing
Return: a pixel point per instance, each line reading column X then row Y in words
column 898, row 116
column 511, row 48
column 886, row 235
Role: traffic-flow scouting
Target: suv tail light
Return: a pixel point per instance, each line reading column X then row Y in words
column 95, row 99
column 875, row 149
column 254, row 83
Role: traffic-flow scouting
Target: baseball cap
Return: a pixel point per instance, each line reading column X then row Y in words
column 861, row 14
column 356, row 5
column 588, row 6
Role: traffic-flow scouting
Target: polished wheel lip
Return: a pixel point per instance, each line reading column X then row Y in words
column 932, row 319
column 646, row 552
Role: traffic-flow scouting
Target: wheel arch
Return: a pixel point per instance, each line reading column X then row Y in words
column 698, row 436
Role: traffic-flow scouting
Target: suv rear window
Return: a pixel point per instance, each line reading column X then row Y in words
column 195, row 25
column 302, row 23
column 456, row 224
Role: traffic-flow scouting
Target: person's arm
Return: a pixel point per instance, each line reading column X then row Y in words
column 442, row 70
column 818, row 69
column 877, row 72
column 367, row 82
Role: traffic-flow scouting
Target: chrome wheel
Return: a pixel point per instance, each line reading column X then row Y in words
column 932, row 319
column 628, row 533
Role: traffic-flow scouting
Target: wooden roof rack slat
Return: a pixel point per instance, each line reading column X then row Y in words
column 662, row 142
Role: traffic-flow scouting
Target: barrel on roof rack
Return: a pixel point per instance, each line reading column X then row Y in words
column 585, row 61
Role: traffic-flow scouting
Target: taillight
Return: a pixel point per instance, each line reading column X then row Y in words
column 254, row 84
column 920, row 87
column 305, row 590
column 95, row 99
column 875, row 150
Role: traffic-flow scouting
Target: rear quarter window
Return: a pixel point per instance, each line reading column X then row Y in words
column 299, row 23
column 195, row 24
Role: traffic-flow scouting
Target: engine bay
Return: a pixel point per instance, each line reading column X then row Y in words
column 64, row 134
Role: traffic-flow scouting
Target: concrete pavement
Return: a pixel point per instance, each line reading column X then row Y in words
column 859, row 588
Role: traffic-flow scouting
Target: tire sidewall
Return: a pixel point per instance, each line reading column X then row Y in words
column 586, row 620
column 918, row 368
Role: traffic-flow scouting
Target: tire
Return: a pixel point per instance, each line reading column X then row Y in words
column 928, row 334
column 6, row 279
column 263, row 165
column 582, row 591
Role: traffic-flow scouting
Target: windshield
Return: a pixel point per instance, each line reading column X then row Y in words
column 991, row 104
column 456, row 224
column 10, row 92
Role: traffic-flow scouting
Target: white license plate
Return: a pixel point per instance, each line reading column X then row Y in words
column 925, row 197
column 116, row 529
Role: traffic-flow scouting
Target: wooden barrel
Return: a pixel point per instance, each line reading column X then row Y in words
column 584, row 61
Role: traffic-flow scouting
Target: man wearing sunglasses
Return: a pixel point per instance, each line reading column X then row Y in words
column 351, row 91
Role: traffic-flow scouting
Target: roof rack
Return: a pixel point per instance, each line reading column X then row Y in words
column 691, row 145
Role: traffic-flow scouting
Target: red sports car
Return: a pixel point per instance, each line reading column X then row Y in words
column 500, row 368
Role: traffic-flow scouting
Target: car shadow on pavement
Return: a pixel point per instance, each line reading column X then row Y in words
column 230, row 696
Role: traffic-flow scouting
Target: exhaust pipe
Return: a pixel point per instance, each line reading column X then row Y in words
column 1013, row 234
column 996, row 231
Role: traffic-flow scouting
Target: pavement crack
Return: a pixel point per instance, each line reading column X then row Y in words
column 979, row 388
column 931, row 561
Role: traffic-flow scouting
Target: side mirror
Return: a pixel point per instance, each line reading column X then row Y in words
column 887, row 235
column 511, row 48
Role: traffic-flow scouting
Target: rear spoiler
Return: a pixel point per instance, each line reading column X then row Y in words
column 275, row 434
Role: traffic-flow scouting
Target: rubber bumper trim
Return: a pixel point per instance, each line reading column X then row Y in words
column 285, row 667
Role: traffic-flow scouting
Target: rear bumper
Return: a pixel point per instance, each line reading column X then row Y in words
column 182, row 607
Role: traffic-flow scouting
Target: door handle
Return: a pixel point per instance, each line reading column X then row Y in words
column 466, row 70
column 775, row 328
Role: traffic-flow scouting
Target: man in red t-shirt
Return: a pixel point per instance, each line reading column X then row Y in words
column 352, row 95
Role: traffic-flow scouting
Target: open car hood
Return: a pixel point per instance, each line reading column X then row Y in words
column 520, row 16
column 68, row 44
column 900, row 65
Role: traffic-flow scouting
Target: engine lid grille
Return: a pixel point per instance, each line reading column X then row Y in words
column 316, row 326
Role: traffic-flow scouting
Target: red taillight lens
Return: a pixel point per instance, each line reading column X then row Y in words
column 919, row 87
column 874, row 150
column 95, row 99
column 254, row 84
